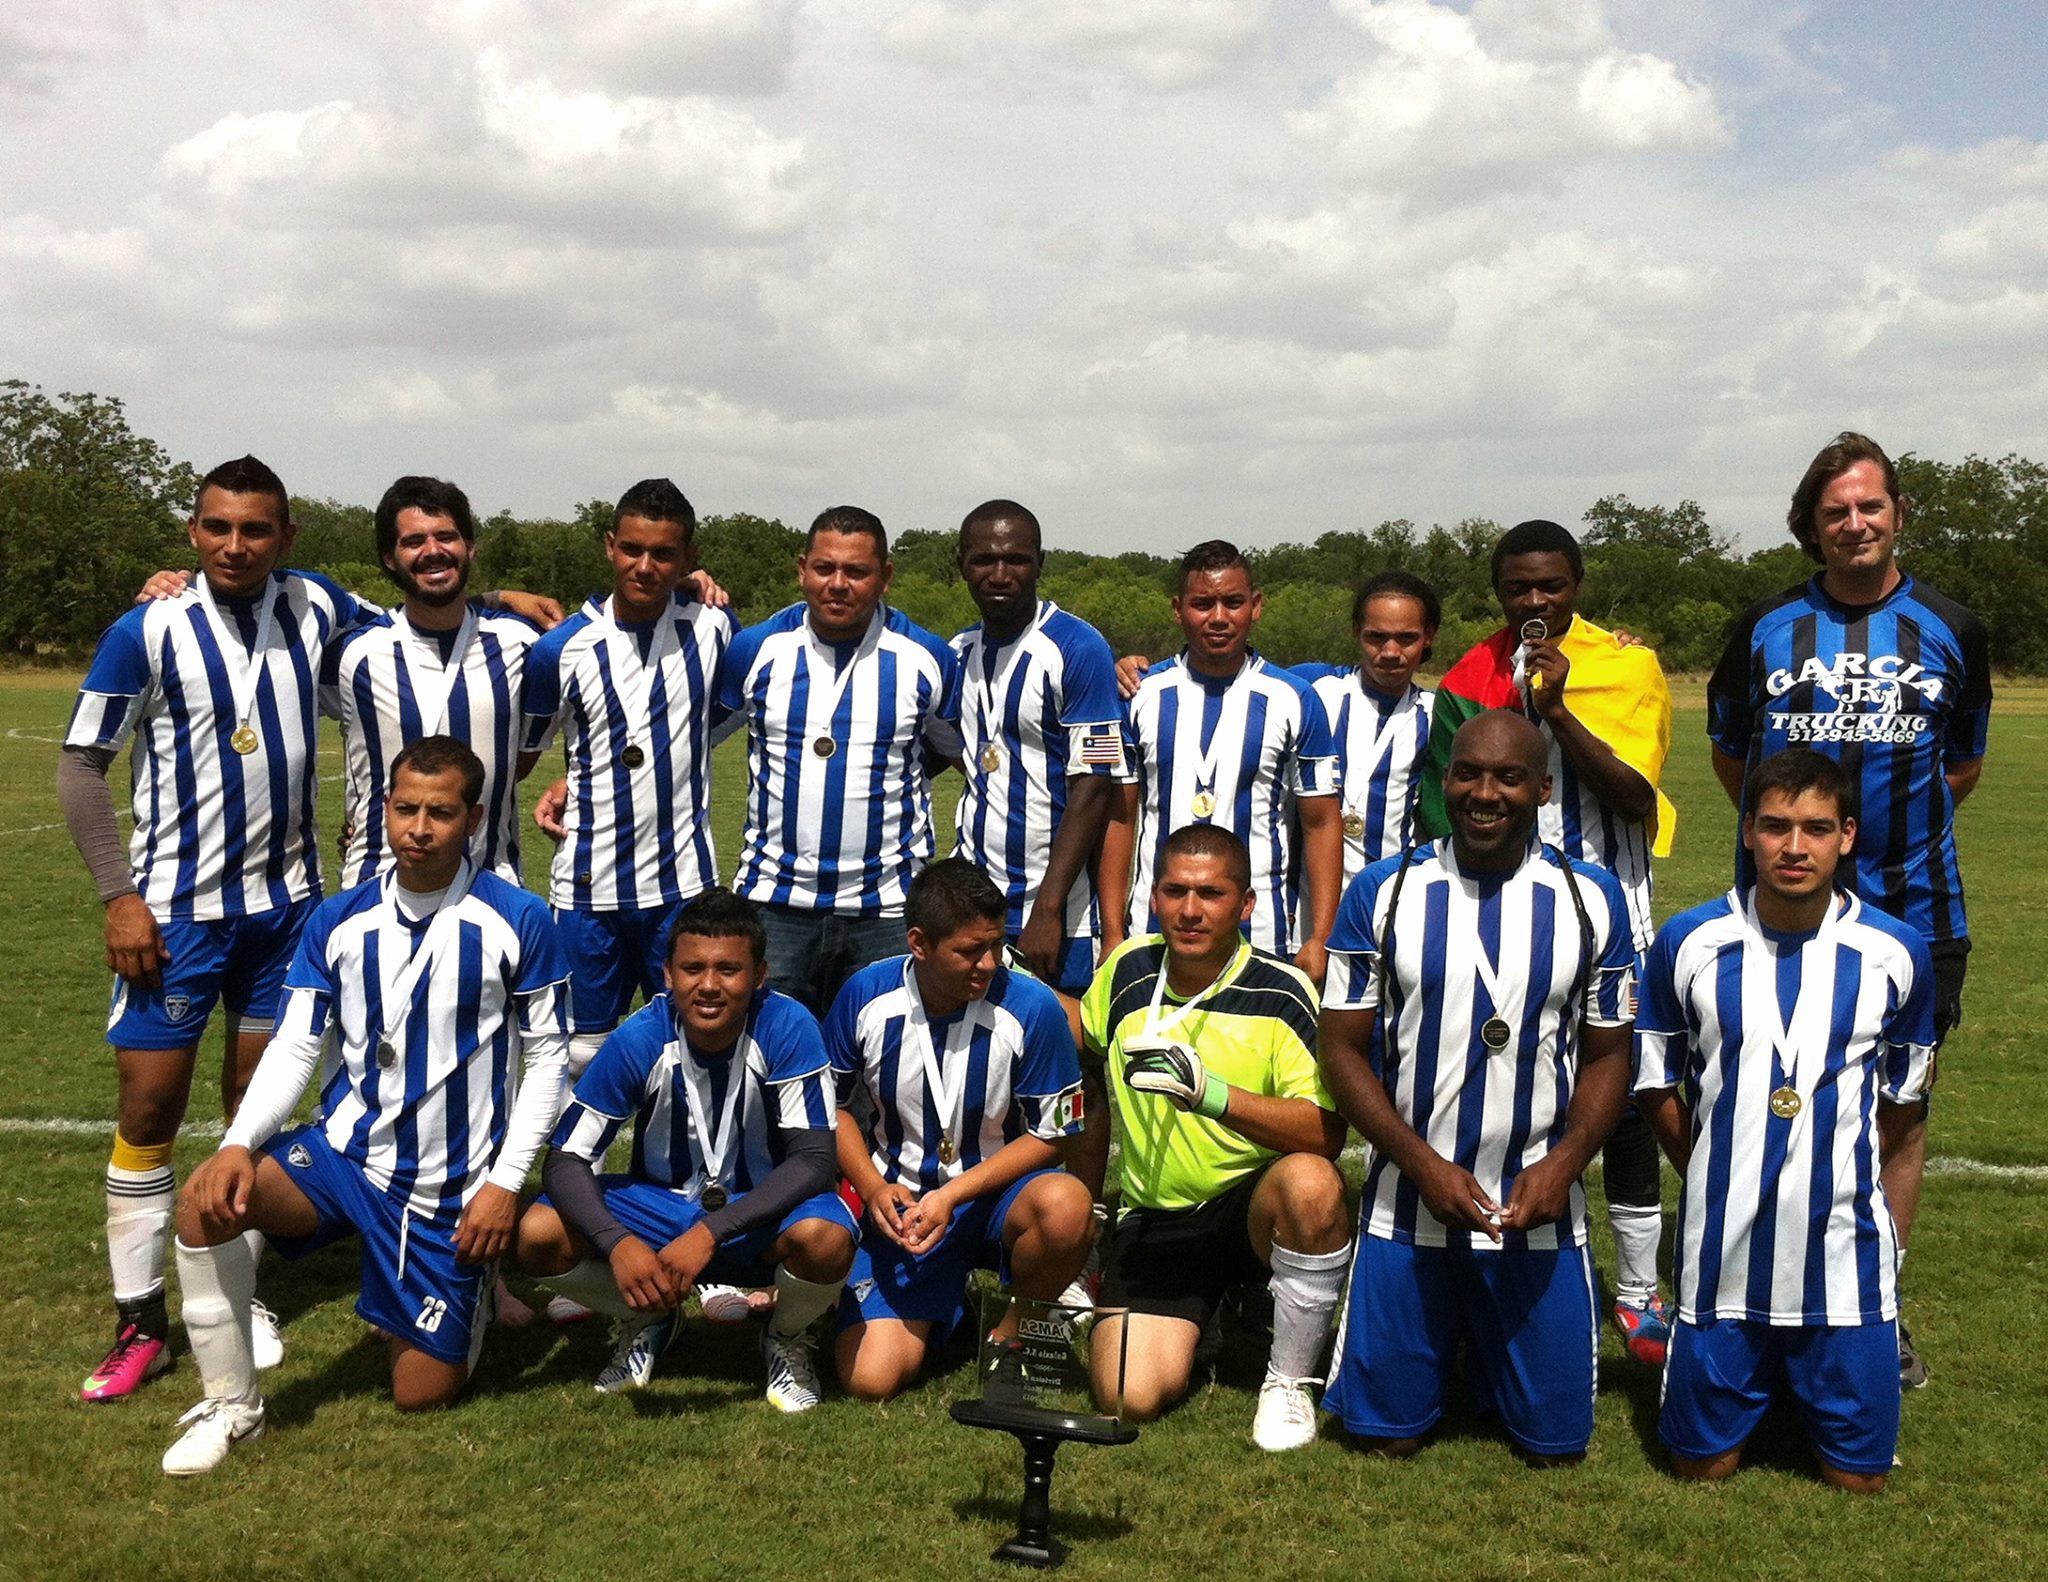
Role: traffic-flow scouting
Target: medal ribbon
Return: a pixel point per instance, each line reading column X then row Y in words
column 1158, row 1023
column 989, row 690
column 1383, row 737
column 432, row 688
column 870, row 640
column 718, row 1150
column 245, row 668
column 636, row 679
column 946, row 1101
column 400, row 992
column 1799, row 1045
column 1206, row 759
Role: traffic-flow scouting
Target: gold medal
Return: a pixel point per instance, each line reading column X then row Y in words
column 633, row 757
column 946, row 1153
column 1202, row 804
column 991, row 758
column 824, row 747
column 244, row 739
column 1354, row 825
column 1785, row 1103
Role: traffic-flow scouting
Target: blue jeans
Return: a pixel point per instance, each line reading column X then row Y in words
column 812, row 954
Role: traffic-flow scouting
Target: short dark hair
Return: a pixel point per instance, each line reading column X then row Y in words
column 245, row 475
column 1209, row 840
column 1398, row 584
column 849, row 519
column 1539, row 537
column 1836, row 457
column 948, row 895
column 1212, row 555
column 717, row 913
column 990, row 511
column 1794, row 771
column 433, row 755
column 658, row 500
column 435, row 496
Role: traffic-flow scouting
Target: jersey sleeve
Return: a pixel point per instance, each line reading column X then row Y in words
column 1315, row 750
column 1091, row 708
column 1048, row 1082
column 942, row 719
column 310, row 987
column 1663, row 1037
column 540, row 695
column 543, row 963
column 1731, row 711
column 799, row 1071
column 1095, row 1029
column 1907, row 1075
column 841, row 1032
column 1610, row 983
column 1351, row 981
column 1296, row 1072
column 1969, row 722
column 116, row 686
column 608, row 1093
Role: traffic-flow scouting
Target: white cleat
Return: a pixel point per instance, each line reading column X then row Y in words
column 792, row 1371
column 728, row 1304
column 266, row 1337
column 637, row 1346
column 1286, row 1418
column 217, row 1427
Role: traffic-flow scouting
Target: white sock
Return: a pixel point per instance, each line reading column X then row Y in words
column 1306, row 1286
column 590, row 1282
column 138, row 1229
column 218, row 1284
column 253, row 1240
column 1638, row 1229
column 798, row 1303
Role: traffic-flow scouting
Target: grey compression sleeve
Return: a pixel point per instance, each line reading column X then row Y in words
column 809, row 1166
column 88, row 804
column 571, row 1185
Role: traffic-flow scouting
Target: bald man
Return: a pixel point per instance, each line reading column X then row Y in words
column 1497, row 974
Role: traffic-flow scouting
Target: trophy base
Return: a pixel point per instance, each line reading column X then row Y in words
column 1039, row 1434
column 1041, row 1554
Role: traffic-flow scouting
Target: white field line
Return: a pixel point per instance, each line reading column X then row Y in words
column 30, row 829
column 67, row 1126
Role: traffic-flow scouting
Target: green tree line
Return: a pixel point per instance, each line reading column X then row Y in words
column 88, row 508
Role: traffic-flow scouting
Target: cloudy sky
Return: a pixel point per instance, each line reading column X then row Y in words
column 1162, row 269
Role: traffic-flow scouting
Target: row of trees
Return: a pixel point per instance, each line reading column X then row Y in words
column 88, row 508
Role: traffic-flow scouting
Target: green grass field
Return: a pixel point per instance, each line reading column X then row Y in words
column 536, row 1476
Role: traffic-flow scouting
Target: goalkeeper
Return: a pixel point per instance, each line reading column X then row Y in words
column 1227, row 1142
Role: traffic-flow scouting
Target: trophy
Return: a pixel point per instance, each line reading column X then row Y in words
column 1037, row 1377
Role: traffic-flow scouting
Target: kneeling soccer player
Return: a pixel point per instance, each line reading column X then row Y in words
column 1227, row 1139
column 732, row 1177
column 430, row 979
column 1476, row 1032
column 967, row 1075
column 1785, row 1044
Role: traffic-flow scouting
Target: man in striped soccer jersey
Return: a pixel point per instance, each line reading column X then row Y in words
column 441, row 986
column 627, row 683
column 1605, row 713
column 442, row 663
column 216, row 685
column 1043, row 733
column 1220, row 736
column 958, row 1091
column 1893, row 681
column 1378, row 716
column 732, row 1176
column 1228, row 1138
column 1785, row 1047
column 1476, row 1031
column 850, row 708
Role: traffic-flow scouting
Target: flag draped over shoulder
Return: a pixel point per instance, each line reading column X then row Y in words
column 1617, row 693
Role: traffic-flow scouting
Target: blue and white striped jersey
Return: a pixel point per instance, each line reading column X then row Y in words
column 1250, row 746
column 843, row 830
column 1382, row 746
column 1005, row 1067
column 1782, row 1219
column 1470, row 949
column 633, row 705
column 649, row 1071
column 1034, row 713
column 426, row 1123
column 390, row 684
column 218, row 833
column 1579, row 824
column 1897, row 692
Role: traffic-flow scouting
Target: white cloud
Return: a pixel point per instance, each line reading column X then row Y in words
column 1162, row 45
column 660, row 48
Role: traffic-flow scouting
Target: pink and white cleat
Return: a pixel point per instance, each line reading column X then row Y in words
column 135, row 1359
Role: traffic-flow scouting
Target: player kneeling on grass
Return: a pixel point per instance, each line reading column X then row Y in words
column 1784, row 1046
column 732, row 1177
column 1226, row 1137
column 967, row 1076
column 431, row 980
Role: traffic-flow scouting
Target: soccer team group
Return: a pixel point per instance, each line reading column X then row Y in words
column 1222, row 911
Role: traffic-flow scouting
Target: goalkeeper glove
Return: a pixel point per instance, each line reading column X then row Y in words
column 1176, row 1073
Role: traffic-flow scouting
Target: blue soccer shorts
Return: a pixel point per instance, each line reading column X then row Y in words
column 658, row 1215
column 1719, row 1378
column 413, row 1286
column 887, row 1282
column 612, row 956
column 235, row 962
column 1526, row 1319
